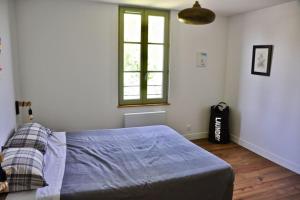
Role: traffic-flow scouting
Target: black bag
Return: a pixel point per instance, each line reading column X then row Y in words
column 3, row 177
column 218, row 126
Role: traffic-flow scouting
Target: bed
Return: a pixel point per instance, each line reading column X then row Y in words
column 142, row 163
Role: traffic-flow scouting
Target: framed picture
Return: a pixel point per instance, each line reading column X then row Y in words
column 262, row 59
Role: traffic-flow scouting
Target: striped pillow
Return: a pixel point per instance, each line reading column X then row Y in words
column 24, row 169
column 31, row 135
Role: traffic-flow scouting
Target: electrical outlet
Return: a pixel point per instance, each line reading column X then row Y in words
column 189, row 127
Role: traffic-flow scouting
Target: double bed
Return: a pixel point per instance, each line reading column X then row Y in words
column 142, row 163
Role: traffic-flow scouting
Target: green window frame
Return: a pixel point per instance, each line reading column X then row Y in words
column 144, row 74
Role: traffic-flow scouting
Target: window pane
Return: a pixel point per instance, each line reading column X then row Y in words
column 132, row 57
column 132, row 27
column 155, row 57
column 131, row 93
column 131, row 79
column 156, row 25
column 150, row 96
column 154, row 92
column 155, row 78
column 142, row 40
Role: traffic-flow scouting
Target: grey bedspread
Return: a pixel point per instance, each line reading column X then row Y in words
column 146, row 163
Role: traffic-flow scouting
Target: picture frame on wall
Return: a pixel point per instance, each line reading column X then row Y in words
column 262, row 60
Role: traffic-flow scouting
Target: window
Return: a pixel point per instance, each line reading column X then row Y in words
column 143, row 56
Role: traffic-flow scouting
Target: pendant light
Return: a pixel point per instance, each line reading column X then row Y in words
column 196, row 15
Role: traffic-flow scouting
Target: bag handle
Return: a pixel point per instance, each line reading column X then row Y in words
column 222, row 103
column 221, row 106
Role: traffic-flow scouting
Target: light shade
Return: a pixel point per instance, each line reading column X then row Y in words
column 196, row 15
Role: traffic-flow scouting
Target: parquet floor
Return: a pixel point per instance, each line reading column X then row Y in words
column 256, row 178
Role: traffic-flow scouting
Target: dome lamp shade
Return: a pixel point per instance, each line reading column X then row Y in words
column 196, row 15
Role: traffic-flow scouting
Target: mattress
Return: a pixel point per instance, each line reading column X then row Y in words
column 143, row 163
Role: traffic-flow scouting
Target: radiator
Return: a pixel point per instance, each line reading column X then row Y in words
column 144, row 119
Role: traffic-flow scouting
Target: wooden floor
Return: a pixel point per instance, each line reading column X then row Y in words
column 256, row 178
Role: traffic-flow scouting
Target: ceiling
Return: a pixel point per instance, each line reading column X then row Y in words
column 221, row 7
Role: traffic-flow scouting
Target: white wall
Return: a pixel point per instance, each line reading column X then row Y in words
column 68, row 55
column 266, row 110
column 193, row 90
column 7, row 110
